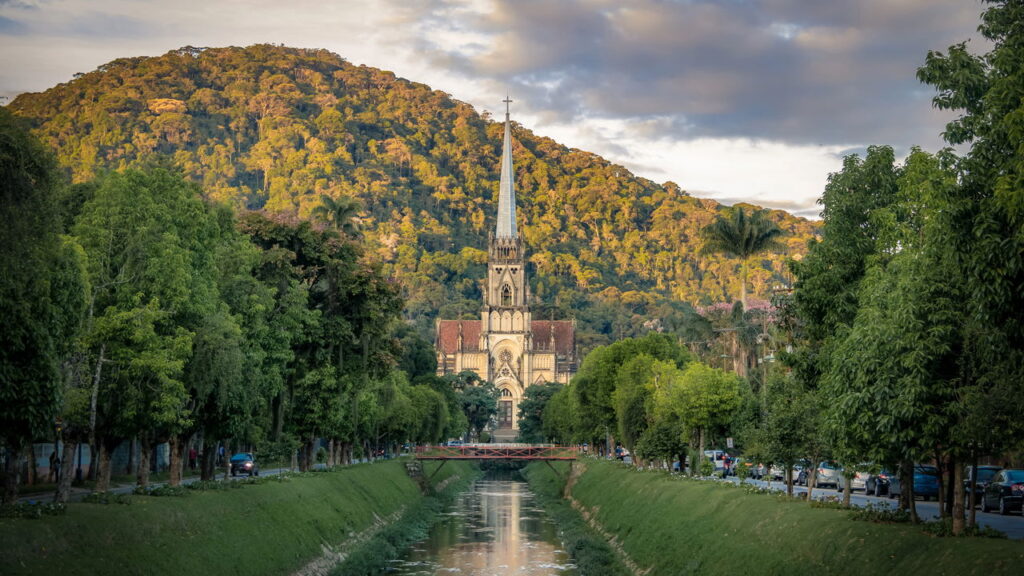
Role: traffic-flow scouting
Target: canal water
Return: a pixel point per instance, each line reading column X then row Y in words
column 493, row 529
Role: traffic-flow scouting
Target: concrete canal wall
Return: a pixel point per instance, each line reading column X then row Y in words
column 668, row 525
column 270, row 528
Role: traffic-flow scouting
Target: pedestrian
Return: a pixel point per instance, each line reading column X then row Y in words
column 192, row 458
column 54, row 473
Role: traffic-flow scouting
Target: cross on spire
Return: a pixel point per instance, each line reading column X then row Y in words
column 507, row 101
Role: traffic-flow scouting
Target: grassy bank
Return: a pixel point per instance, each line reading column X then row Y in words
column 589, row 550
column 678, row 526
column 271, row 528
column 392, row 541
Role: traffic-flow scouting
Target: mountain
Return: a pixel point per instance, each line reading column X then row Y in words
column 274, row 128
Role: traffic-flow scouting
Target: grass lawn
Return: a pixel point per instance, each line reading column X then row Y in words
column 676, row 526
column 272, row 528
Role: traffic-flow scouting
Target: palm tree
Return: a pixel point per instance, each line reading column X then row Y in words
column 342, row 212
column 741, row 235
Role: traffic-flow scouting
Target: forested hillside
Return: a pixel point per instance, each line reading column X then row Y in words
column 274, row 128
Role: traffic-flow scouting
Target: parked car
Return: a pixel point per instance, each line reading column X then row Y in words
column 777, row 472
column 985, row 474
column 802, row 476
column 244, row 463
column 926, row 483
column 1005, row 492
column 859, row 481
column 719, row 458
column 878, row 483
column 800, row 472
column 828, row 474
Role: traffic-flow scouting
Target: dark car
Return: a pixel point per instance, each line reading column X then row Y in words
column 985, row 474
column 878, row 483
column 1005, row 492
column 244, row 463
column 926, row 483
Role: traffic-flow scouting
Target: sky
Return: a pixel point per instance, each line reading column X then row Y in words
column 737, row 100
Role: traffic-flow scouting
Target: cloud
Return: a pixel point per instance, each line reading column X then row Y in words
column 799, row 72
column 753, row 100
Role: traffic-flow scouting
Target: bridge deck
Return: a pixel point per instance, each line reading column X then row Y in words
column 497, row 452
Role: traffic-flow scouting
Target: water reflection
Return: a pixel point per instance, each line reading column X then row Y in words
column 495, row 528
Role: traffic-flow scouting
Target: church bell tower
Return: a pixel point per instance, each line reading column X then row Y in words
column 505, row 317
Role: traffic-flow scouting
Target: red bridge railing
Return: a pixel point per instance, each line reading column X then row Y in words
column 497, row 452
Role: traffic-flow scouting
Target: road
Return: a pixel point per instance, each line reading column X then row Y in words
column 1012, row 525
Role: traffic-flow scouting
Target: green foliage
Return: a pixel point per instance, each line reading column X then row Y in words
column 107, row 498
column 531, row 411
column 987, row 213
column 42, row 288
column 32, row 510
column 287, row 130
column 479, row 403
column 740, row 236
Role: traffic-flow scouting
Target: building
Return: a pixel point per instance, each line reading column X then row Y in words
column 507, row 346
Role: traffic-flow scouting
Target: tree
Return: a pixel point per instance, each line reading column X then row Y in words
column 701, row 397
column 149, row 243
column 42, row 295
column 342, row 212
column 479, row 404
column 985, row 90
column 531, row 411
column 742, row 236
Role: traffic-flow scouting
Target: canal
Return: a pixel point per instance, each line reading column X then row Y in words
column 494, row 528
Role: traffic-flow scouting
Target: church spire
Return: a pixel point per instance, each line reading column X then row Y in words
column 507, row 188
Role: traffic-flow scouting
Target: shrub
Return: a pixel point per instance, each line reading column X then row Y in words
column 32, row 510
column 107, row 498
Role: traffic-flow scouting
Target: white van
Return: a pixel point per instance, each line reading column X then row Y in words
column 719, row 458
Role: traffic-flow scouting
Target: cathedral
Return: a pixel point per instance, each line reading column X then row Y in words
column 506, row 346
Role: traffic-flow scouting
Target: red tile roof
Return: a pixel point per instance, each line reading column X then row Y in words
column 565, row 335
column 448, row 335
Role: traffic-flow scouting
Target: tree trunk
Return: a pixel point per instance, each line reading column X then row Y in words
column 145, row 449
column 958, row 499
column 847, row 489
column 951, row 485
column 905, row 471
column 700, row 449
column 12, row 468
column 743, row 285
column 103, row 465
column 208, row 462
column 331, row 453
column 941, row 496
column 174, row 447
column 93, row 397
column 67, row 464
column 789, row 480
column 31, row 472
column 812, row 477
column 972, row 518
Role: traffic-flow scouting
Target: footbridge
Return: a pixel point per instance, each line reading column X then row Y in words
column 497, row 452
column 540, row 452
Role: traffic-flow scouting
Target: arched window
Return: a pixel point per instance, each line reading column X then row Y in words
column 506, row 393
column 506, row 295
